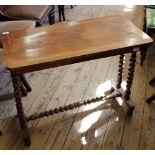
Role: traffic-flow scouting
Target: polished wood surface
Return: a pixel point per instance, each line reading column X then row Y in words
column 71, row 42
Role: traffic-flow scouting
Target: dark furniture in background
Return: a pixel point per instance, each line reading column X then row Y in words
column 149, row 28
column 149, row 25
column 61, row 11
column 151, row 98
column 38, row 13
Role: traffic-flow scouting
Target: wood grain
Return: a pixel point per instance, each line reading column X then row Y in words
column 31, row 50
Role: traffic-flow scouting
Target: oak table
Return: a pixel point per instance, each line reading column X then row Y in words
column 72, row 42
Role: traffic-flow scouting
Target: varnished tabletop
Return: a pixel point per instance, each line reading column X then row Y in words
column 70, row 42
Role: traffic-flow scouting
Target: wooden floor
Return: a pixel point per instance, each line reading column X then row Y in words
column 98, row 126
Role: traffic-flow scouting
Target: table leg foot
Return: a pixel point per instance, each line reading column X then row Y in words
column 119, row 92
column 27, row 141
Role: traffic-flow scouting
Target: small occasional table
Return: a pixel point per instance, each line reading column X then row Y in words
column 68, row 43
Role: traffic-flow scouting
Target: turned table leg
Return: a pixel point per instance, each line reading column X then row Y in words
column 143, row 55
column 151, row 98
column 120, row 71
column 130, row 81
column 20, row 111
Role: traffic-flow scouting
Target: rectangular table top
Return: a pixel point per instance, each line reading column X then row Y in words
column 70, row 42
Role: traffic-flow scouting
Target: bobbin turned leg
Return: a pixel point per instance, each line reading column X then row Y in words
column 20, row 111
column 120, row 71
column 117, row 84
column 130, row 106
column 143, row 54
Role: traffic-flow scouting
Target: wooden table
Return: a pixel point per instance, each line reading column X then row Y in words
column 68, row 43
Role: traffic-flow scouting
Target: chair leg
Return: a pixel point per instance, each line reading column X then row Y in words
column 59, row 10
column 51, row 17
column 150, row 99
column 63, row 12
column 38, row 24
column 71, row 6
column 25, row 83
column 23, row 89
column 143, row 55
column 152, row 82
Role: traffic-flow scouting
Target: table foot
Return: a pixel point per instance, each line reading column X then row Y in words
column 27, row 141
column 121, row 93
